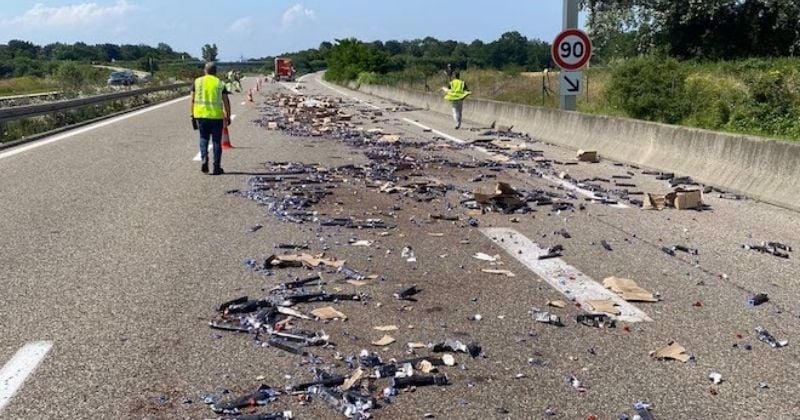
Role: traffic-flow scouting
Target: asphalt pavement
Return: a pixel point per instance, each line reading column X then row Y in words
column 116, row 249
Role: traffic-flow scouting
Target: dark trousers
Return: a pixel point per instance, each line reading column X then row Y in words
column 210, row 130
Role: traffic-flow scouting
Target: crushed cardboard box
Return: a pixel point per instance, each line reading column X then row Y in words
column 685, row 199
column 328, row 313
column 628, row 290
column 604, row 305
column 304, row 259
column 681, row 199
column 384, row 341
column 672, row 351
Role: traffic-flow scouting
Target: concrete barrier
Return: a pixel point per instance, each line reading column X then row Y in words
column 764, row 169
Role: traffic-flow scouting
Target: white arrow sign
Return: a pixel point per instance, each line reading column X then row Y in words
column 570, row 83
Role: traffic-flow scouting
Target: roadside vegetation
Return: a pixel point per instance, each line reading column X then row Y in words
column 27, row 68
column 725, row 65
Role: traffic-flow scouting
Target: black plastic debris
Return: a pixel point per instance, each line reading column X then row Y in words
column 261, row 396
column 775, row 248
column 555, row 251
column 546, row 317
column 407, row 293
column 757, row 299
column 596, row 320
column 473, row 348
column 418, row 380
column 765, row 336
column 348, row 404
column 279, row 415
column 286, row 345
column 298, row 284
column 329, row 382
column 606, row 245
column 643, row 410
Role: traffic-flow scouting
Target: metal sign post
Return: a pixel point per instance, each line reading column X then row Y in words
column 571, row 7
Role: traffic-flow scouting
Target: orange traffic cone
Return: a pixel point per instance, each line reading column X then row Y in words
column 226, row 137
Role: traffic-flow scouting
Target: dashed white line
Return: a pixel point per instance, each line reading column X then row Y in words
column 561, row 276
column 319, row 80
column 24, row 362
column 445, row 135
column 90, row 127
column 550, row 178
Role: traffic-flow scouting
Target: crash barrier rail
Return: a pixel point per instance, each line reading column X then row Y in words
column 30, row 96
column 20, row 100
column 27, row 111
column 761, row 168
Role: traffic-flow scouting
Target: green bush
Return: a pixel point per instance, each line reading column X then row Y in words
column 350, row 57
column 713, row 99
column 649, row 88
column 70, row 76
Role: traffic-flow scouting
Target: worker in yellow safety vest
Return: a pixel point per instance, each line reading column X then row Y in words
column 211, row 111
column 455, row 94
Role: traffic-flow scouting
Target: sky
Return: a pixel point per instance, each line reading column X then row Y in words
column 260, row 28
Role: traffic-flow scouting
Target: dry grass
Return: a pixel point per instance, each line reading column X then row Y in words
column 529, row 88
column 25, row 85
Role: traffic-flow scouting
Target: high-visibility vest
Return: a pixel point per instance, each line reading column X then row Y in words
column 457, row 91
column 208, row 98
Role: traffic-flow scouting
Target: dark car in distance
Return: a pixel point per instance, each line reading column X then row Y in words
column 122, row 78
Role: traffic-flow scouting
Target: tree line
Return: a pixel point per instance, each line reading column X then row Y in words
column 22, row 58
column 694, row 29
column 346, row 58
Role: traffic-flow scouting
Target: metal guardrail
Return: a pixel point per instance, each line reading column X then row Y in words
column 27, row 111
column 30, row 96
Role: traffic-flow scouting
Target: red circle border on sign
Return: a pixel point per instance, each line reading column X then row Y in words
column 586, row 57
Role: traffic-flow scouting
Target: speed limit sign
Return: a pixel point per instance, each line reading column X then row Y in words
column 572, row 49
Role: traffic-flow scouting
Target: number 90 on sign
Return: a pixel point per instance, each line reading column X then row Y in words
column 572, row 49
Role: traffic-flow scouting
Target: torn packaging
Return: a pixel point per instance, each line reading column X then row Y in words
column 672, row 351
column 504, row 197
column 681, row 199
column 628, row 290
column 283, row 261
column 604, row 305
column 328, row 313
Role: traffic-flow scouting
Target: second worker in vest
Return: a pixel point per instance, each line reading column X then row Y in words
column 456, row 93
column 211, row 108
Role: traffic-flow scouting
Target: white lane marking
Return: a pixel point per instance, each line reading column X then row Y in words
column 210, row 146
column 445, row 135
column 88, row 128
column 561, row 276
column 550, row 178
column 24, row 362
column 319, row 80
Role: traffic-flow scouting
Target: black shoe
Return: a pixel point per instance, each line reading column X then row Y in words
column 204, row 167
column 217, row 171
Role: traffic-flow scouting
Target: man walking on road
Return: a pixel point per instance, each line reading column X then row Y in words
column 456, row 93
column 211, row 108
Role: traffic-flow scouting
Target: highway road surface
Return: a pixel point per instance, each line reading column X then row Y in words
column 115, row 251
